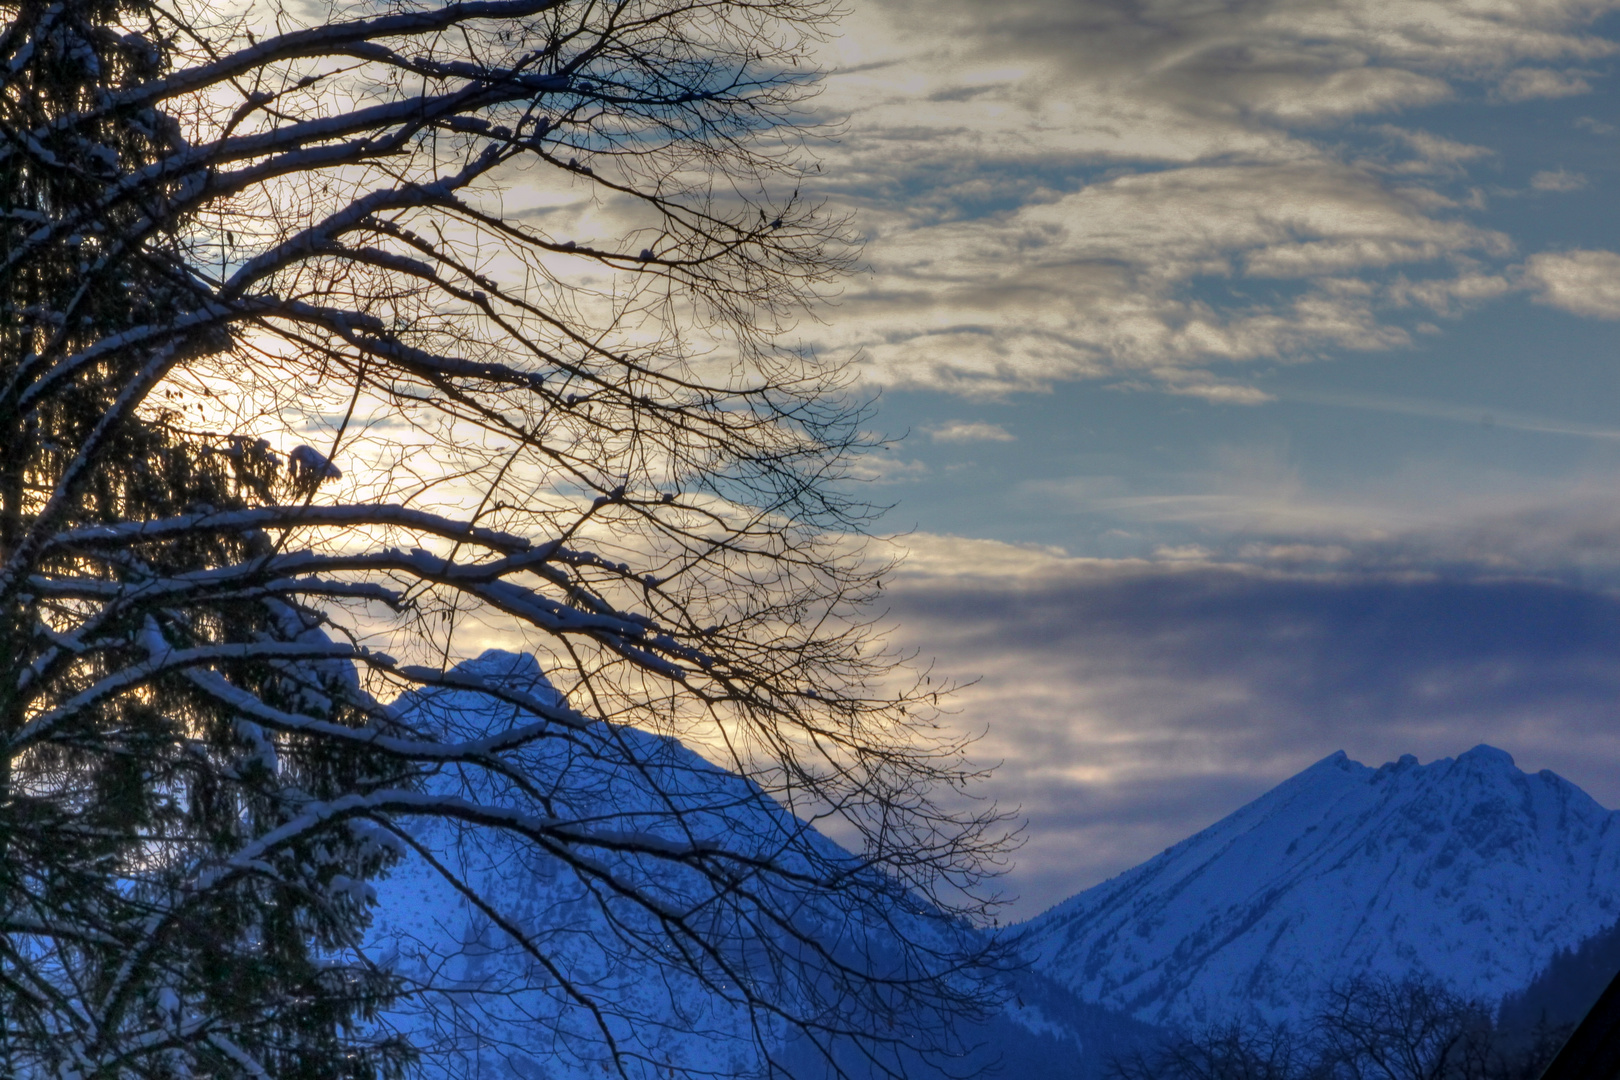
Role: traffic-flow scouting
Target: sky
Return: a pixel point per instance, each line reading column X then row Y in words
column 1252, row 368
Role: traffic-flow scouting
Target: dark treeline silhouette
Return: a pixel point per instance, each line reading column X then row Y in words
column 1372, row 1028
column 1567, row 987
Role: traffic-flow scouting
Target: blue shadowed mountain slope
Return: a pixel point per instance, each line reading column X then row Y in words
column 512, row 1015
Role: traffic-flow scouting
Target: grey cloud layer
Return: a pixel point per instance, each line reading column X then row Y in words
column 1134, row 703
column 1270, row 50
column 1161, row 191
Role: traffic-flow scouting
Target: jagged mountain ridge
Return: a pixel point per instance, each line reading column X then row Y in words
column 1467, row 868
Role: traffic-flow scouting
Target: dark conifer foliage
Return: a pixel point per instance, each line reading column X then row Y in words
column 209, row 222
column 117, row 797
column 1567, row 987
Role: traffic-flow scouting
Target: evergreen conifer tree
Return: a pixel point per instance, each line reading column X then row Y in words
column 115, row 958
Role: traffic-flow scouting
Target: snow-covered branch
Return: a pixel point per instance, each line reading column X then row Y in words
column 124, row 534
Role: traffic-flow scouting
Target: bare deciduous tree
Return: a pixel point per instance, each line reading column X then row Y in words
column 1365, row 1028
column 1231, row 1051
column 1410, row 1029
column 338, row 343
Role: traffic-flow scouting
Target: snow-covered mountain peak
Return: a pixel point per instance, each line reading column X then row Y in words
column 1482, row 757
column 1467, row 867
column 639, row 929
column 500, row 665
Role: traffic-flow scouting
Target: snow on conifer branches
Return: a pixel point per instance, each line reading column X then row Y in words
column 332, row 349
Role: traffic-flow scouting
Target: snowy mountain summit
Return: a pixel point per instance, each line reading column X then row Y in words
column 1467, row 868
column 637, row 957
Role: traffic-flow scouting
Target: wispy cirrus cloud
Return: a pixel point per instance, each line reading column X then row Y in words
column 1525, row 84
column 967, row 431
column 1557, row 180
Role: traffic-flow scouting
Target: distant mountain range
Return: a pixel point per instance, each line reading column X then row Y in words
column 1467, row 868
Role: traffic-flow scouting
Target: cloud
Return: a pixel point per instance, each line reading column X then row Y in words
column 1580, row 282
column 886, row 468
column 1135, row 702
column 1529, row 83
column 964, row 431
column 1109, row 280
column 1286, row 554
column 1432, row 153
column 1162, row 195
column 961, row 558
column 1250, row 506
column 1450, row 296
column 1183, row 553
column 1557, row 180
column 1201, row 386
column 1316, row 58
